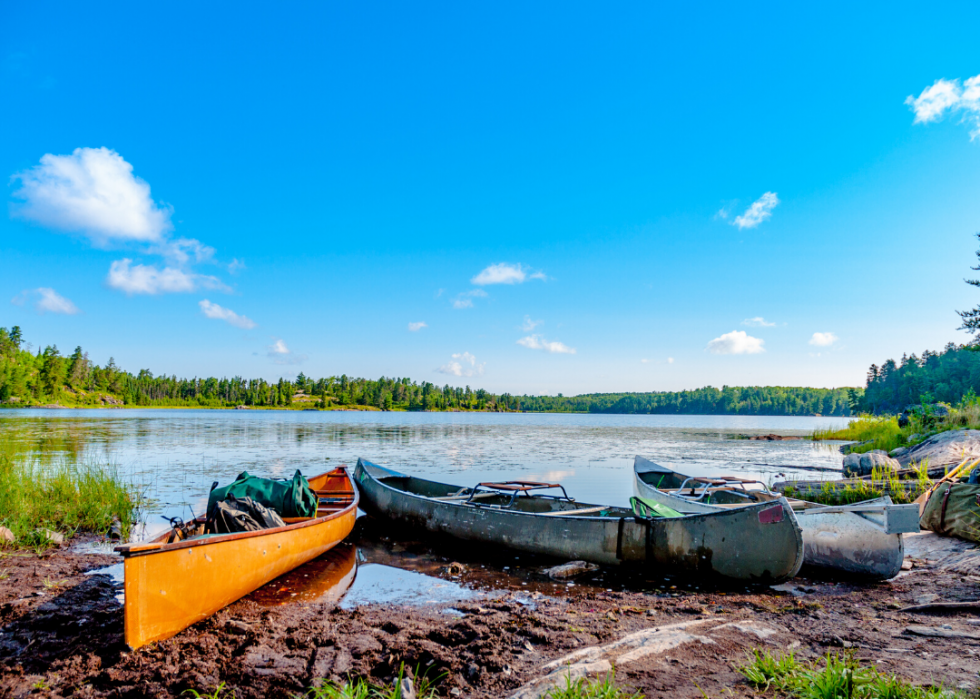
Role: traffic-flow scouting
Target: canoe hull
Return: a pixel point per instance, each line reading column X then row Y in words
column 711, row 545
column 170, row 588
column 843, row 541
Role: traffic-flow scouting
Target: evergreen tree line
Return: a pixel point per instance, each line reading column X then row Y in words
column 729, row 400
column 948, row 376
column 48, row 377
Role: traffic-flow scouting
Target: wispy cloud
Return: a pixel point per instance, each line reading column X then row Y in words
column 506, row 273
column 281, row 354
column 948, row 96
column 415, row 327
column 46, row 300
column 736, row 342
column 758, row 322
column 92, row 191
column 669, row 360
column 462, row 364
column 823, row 339
column 536, row 342
column 760, row 210
column 236, row 266
column 213, row 310
column 465, row 299
column 149, row 279
column 183, row 251
column 528, row 325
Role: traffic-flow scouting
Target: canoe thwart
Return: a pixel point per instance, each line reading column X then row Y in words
column 519, row 485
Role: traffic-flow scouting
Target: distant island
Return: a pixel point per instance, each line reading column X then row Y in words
column 49, row 378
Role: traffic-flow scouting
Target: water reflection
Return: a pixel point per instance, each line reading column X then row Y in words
column 176, row 454
column 324, row 580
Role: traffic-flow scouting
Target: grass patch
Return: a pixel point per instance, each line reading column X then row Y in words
column 884, row 432
column 64, row 497
column 876, row 432
column 583, row 688
column 834, row 677
column 360, row 688
column 882, row 482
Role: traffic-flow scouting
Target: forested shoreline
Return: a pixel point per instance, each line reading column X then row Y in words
column 949, row 376
column 47, row 377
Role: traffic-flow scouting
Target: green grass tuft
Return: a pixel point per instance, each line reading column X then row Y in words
column 836, row 677
column 591, row 689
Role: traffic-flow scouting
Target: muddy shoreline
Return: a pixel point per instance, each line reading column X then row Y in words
column 61, row 630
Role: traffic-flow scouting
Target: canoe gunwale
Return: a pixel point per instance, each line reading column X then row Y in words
column 146, row 548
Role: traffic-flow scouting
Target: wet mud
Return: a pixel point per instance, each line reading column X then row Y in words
column 486, row 625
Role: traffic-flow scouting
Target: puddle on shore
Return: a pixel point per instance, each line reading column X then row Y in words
column 116, row 573
column 371, row 567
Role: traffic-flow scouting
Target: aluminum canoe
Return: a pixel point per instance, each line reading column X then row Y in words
column 169, row 586
column 861, row 539
column 760, row 542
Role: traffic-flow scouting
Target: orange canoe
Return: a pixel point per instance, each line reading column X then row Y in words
column 170, row 586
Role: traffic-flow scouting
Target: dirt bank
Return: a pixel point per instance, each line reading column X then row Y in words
column 61, row 634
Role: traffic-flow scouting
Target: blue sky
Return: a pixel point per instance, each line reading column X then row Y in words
column 563, row 194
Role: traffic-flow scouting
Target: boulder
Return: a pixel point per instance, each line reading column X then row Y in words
column 944, row 449
column 863, row 464
column 900, row 451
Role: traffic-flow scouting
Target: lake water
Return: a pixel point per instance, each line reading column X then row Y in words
column 176, row 454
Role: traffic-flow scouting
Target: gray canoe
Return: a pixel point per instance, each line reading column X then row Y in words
column 760, row 542
column 863, row 539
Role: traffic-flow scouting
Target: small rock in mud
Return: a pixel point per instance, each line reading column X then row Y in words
column 54, row 537
column 455, row 568
column 237, row 627
column 569, row 570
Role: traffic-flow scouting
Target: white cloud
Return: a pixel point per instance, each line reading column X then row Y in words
column 236, row 266
column 465, row 299
column 758, row 322
column 536, row 342
column 415, row 327
column 670, row 360
column 528, row 325
column 823, row 339
column 281, row 354
column 644, row 361
column 505, row 273
column 760, row 210
column 462, row 364
column 46, row 300
column 213, row 310
column 92, row 191
column 736, row 342
column 149, row 279
column 183, row 251
column 947, row 95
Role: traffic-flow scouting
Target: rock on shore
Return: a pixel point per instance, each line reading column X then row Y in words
column 863, row 464
column 944, row 449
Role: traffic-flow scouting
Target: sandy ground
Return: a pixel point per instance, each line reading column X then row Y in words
column 61, row 634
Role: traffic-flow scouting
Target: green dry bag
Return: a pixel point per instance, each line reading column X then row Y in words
column 293, row 498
